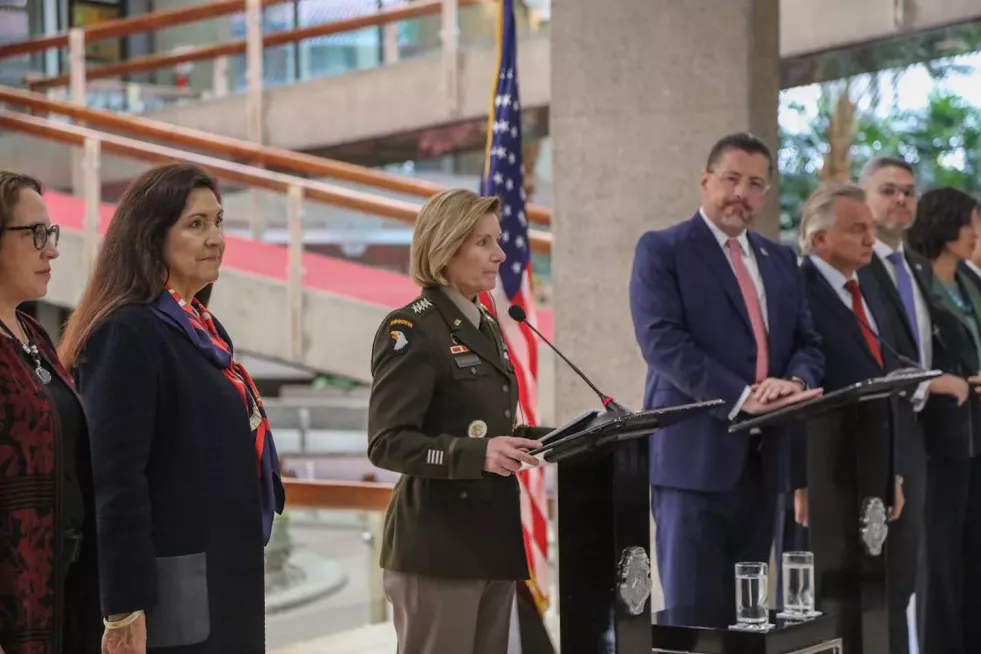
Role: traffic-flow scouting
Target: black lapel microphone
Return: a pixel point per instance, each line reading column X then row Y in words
column 518, row 315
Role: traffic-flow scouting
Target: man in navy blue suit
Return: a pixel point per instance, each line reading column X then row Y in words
column 850, row 312
column 719, row 312
column 859, row 342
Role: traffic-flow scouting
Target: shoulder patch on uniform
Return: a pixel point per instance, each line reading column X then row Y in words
column 400, row 333
column 421, row 305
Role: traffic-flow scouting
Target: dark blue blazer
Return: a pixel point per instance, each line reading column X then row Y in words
column 847, row 357
column 693, row 329
column 176, row 487
column 950, row 428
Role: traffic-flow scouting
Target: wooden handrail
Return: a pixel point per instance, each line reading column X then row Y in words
column 313, row 190
column 119, row 27
column 283, row 37
column 337, row 495
column 348, row 495
column 278, row 158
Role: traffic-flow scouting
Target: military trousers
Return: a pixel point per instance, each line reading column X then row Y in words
column 435, row 615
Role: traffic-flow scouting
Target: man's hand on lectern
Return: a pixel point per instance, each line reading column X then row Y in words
column 951, row 385
column 755, row 407
column 771, row 389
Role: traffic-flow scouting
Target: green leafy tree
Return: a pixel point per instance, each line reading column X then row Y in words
column 942, row 141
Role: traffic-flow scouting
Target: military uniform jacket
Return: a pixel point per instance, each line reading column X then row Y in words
column 441, row 388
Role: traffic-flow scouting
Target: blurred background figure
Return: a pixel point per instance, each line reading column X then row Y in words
column 48, row 575
column 186, row 473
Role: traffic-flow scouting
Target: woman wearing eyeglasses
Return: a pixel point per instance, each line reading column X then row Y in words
column 49, row 597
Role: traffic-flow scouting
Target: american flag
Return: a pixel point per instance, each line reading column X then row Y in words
column 504, row 177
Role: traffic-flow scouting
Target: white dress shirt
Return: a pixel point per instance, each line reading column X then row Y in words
column 924, row 326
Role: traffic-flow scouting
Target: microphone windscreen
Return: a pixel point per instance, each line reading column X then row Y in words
column 517, row 313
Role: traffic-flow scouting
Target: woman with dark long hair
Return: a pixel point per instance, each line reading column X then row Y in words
column 186, row 473
column 945, row 234
column 48, row 577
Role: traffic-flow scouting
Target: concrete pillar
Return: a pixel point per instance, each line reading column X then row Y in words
column 641, row 89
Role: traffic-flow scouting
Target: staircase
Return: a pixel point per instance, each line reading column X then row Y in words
column 280, row 303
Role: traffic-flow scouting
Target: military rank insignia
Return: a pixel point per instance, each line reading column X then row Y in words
column 421, row 306
column 400, row 332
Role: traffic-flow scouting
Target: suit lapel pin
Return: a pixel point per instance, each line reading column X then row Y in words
column 763, row 252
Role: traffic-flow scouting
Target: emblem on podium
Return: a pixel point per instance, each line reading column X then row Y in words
column 635, row 583
column 874, row 529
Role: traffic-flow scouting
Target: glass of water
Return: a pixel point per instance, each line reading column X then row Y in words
column 798, row 583
column 751, row 593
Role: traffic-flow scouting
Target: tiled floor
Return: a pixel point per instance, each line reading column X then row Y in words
column 374, row 639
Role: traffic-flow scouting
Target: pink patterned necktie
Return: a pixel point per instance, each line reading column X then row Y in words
column 752, row 300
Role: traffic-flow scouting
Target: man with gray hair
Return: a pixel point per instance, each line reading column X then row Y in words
column 837, row 235
column 890, row 187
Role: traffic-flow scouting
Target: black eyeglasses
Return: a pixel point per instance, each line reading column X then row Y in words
column 42, row 233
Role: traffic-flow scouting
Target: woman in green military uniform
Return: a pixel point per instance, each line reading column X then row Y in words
column 443, row 413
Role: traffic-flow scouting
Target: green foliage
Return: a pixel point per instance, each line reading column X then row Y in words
column 942, row 141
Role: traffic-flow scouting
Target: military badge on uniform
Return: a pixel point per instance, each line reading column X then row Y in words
column 421, row 306
column 477, row 429
column 459, row 349
column 400, row 331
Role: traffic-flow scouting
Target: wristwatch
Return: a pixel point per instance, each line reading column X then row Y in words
column 803, row 384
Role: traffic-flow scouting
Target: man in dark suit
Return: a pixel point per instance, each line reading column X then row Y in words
column 905, row 279
column 850, row 314
column 837, row 234
column 718, row 312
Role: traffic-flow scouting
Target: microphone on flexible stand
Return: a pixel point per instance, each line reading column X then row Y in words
column 905, row 360
column 518, row 314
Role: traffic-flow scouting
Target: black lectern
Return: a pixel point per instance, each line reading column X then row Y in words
column 604, row 526
column 850, row 474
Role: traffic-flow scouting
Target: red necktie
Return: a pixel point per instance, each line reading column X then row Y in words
column 752, row 300
column 863, row 320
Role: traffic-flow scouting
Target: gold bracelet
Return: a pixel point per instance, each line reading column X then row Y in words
column 125, row 622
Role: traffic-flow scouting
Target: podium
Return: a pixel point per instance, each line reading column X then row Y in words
column 850, row 476
column 604, row 526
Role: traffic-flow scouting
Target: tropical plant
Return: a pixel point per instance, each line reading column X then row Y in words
column 942, row 141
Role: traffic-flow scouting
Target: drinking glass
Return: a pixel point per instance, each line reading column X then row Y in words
column 751, row 593
column 798, row 583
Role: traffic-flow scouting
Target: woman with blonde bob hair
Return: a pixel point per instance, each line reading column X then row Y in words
column 442, row 413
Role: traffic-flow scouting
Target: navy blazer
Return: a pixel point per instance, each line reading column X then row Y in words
column 905, row 339
column 847, row 357
column 949, row 427
column 176, row 488
column 693, row 329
